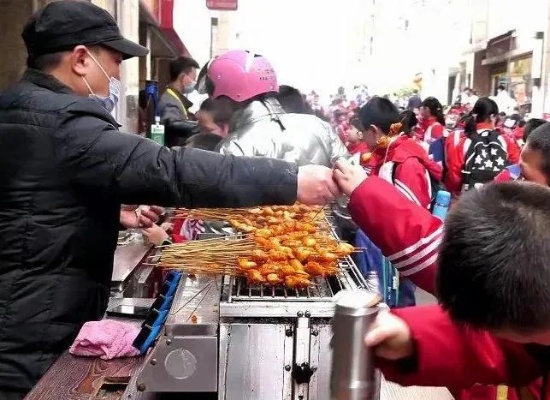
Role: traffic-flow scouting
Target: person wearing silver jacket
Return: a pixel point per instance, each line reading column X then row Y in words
column 259, row 126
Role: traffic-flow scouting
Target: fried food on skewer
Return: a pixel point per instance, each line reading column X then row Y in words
column 287, row 270
column 269, row 268
column 286, row 250
column 323, row 257
column 273, row 279
column 302, row 253
column 264, row 233
column 344, row 249
column 297, row 235
column 297, row 282
column 293, row 243
column 259, row 256
column 297, row 265
column 254, row 276
column 245, row 264
column 314, row 268
column 306, row 227
column 275, row 255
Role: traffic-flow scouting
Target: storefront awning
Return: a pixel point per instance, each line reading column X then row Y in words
column 502, row 48
column 160, row 14
column 518, row 53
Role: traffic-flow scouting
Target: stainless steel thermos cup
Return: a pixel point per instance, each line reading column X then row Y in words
column 353, row 374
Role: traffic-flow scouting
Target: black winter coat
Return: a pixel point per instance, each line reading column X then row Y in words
column 65, row 169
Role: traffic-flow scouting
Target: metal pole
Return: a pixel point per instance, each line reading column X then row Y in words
column 211, row 38
column 508, row 61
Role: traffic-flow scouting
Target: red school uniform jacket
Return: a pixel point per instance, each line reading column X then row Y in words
column 459, row 357
column 407, row 166
column 358, row 148
column 410, row 237
column 431, row 130
column 456, row 147
column 454, row 159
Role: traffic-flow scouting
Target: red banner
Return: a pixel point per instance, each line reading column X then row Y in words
column 223, row 5
column 162, row 12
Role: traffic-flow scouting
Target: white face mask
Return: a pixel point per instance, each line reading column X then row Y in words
column 108, row 102
column 190, row 88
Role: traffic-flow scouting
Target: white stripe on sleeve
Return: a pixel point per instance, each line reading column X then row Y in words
column 420, row 267
column 417, row 245
column 433, row 246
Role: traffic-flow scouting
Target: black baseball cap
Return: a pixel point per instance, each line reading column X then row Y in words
column 62, row 25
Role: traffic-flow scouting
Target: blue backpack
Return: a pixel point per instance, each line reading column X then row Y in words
column 394, row 291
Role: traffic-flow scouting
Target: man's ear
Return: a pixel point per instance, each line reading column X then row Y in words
column 80, row 60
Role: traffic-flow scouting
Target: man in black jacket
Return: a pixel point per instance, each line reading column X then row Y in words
column 65, row 169
column 174, row 106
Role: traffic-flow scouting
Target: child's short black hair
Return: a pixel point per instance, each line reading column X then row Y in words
column 220, row 110
column 539, row 140
column 292, row 101
column 494, row 269
column 530, row 126
column 379, row 112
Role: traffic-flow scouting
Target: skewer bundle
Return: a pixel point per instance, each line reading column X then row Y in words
column 285, row 245
column 216, row 256
column 216, row 214
column 260, row 216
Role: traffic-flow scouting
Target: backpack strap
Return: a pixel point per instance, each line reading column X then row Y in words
column 406, row 191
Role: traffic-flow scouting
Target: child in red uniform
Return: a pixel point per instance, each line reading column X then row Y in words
column 355, row 143
column 411, row 240
column 396, row 157
column 433, row 120
column 480, row 121
column 532, row 157
column 493, row 322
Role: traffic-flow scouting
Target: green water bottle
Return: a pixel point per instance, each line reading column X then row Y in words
column 157, row 132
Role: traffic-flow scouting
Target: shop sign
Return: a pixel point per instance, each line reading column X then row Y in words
column 222, row 5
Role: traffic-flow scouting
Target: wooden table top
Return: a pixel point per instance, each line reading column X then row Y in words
column 79, row 378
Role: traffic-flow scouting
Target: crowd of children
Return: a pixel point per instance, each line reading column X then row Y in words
column 487, row 263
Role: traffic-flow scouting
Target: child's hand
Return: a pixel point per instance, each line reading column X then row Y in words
column 167, row 226
column 391, row 336
column 348, row 176
column 155, row 235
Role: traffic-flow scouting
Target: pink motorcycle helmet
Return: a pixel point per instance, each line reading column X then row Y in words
column 240, row 75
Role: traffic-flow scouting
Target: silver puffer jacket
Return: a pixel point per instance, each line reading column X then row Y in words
column 264, row 129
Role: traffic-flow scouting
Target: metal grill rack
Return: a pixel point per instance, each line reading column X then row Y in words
column 323, row 289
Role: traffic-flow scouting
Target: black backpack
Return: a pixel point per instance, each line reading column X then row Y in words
column 484, row 159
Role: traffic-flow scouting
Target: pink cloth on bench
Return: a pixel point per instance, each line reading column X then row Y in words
column 106, row 339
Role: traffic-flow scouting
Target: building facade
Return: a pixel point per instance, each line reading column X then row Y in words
column 509, row 46
column 149, row 22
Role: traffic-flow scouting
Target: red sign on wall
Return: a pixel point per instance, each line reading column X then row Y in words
column 224, row 5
